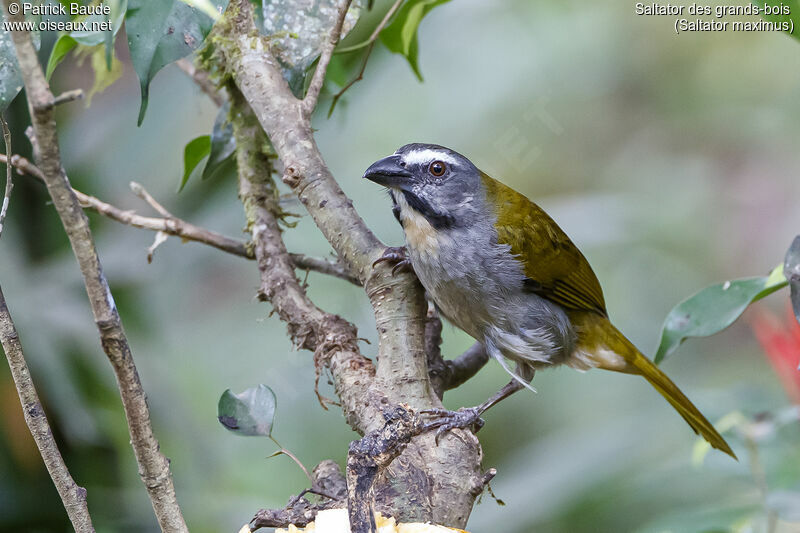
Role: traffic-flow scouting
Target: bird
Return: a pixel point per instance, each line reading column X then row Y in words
column 498, row 267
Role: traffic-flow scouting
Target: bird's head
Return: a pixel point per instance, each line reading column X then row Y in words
column 434, row 182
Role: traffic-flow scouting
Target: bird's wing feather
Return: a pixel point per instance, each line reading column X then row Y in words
column 554, row 266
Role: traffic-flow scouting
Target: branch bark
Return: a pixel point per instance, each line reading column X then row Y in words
column 201, row 79
column 258, row 76
column 326, row 478
column 72, row 495
column 9, row 175
column 153, row 466
column 426, row 482
column 172, row 225
column 333, row 340
column 309, row 103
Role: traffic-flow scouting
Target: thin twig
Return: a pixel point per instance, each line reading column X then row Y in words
column 153, row 466
column 318, row 79
column 68, row 96
column 202, row 80
column 9, row 174
column 375, row 33
column 140, row 191
column 185, row 230
column 371, row 44
column 290, row 455
column 72, row 496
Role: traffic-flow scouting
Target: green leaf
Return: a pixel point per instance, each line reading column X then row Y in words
column 401, row 35
column 790, row 19
column 163, row 31
column 791, row 270
column 63, row 45
column 222, row 143
column 250, row 413
column 10, row 77
column 193, row 153
column 713, row 309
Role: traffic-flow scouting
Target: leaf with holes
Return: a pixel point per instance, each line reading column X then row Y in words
column 194, row 152
column 401, row 35
column 162, row 32
column 250, row 413
column 713, row 309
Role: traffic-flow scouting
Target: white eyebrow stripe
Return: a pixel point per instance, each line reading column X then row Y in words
column 427, row 156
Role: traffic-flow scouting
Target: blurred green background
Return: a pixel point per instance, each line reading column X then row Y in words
column 671, row 160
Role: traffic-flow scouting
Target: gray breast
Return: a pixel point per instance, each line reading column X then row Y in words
column 478, row 285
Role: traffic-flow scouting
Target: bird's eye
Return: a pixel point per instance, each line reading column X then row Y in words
column 437, row 168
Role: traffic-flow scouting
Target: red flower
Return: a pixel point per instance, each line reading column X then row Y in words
column 781, row 343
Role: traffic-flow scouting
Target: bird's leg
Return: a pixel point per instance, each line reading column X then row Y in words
column 396, row 255
column 444, row 420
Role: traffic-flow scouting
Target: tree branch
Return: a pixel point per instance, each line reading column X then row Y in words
column 370, row 44
column 259, row 78
column 318, row 79
column 448, row 374
column 9, row 175
column 426, row 482
column 202, row 80
column 68, row 96
column 177, row 227
column 72, row 496
column 327, row 479
column 153, row 466
column 333, row 340
column 369, row 457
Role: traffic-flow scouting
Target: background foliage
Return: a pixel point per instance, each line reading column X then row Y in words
column 670, row 160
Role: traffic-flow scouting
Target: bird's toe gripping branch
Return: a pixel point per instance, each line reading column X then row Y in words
column 443, row 420
column 396, row 256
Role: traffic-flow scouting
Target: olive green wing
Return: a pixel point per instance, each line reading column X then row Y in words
column 554, row 266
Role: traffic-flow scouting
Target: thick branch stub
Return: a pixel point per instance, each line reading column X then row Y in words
column 368, row 460
column 327, row 479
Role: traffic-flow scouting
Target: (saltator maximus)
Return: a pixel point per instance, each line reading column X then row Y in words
column 498, row 267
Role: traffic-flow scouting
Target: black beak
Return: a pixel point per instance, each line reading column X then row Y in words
column 390, row 172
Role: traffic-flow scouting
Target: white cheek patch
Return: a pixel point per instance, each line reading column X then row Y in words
column 427, row 156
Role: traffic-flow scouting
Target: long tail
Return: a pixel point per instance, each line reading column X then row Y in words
column 636, row 363
column 681, row 403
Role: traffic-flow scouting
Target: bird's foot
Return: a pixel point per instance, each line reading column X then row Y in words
column 396, row 256
column 443, row 420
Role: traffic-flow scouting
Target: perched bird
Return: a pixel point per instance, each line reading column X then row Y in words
column 498, row 267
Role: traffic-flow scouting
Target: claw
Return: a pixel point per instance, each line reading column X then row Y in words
column 444, row 420
column 397, row 257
